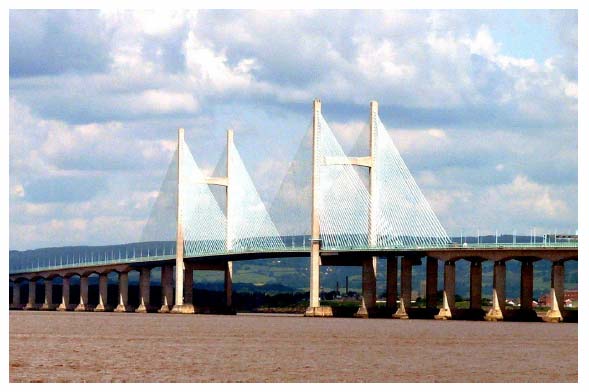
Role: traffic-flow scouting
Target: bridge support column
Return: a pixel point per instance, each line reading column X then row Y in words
column 144, row 285
column 557, row 280
column 31, row 305
column 526, row 285
column 405, row 302
column 392, row 283
column 184, row 281
column 228, row 284
column 431, row 283
column 406, row 276
column 315, row 309
column 368, row 287
column 83, row 305
column 188, row 285
column 448, row 296
column 498, row 309
column 450, row 283
column 65, row 295
column 102, row 294
column 499, row 279
column 123, row 305
column 167, row 289
column 48, row 302
column 476, row 281
column 16, row 296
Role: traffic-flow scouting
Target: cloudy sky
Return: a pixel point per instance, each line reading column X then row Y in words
column 482, row 106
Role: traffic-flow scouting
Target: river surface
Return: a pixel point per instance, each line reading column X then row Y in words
column 114, row 347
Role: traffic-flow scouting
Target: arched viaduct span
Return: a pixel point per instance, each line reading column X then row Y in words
column 408, row 258
column 351, row 224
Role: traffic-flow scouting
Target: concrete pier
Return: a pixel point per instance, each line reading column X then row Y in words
column 102, row 294
column 123, row 305
column 392, row 283
column 553, row 315
column 526, row 285
column 167, row 289
column 31, row 305
column 431, row 283
column 16, row 295
column 48, row 302
column 498, row 308
column 144, row 284
column 65, row 295
column 188, row 283
column 184, row 304
column 228, row 284
column 368, row 287
column 406, row 272
column 476, row 281
column 557, row 282
column 499, row 279
column 83, row 304
column 450, row 283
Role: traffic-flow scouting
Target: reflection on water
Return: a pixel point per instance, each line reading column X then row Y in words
column 106, row 347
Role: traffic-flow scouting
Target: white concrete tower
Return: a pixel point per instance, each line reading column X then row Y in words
column 179, row 305
column 314, row 308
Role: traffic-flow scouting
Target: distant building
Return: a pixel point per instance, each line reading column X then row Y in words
column 571, row 298
column 573, row 295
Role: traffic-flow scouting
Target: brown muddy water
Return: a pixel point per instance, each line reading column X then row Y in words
column 113, row 347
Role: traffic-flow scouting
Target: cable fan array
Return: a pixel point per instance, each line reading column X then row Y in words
column 396, row 215
column 205, row 225
column 402, row 217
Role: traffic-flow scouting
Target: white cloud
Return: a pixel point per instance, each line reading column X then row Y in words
column 208, row 68
column 165, row 102
column 525, row 196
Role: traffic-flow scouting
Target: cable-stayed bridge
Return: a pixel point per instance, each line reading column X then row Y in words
column 337, row 218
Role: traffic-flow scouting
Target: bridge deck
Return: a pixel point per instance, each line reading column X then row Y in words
column 558, row 251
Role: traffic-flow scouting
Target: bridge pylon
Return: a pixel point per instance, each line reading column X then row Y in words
column 179, row 304
column 369, row 264
column 315, row 309
column 183, row 301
